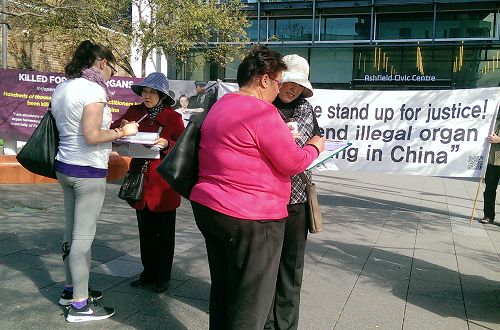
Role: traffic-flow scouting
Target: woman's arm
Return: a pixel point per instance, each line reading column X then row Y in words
column 276, row 142
column 196, row 110
column 92, row 122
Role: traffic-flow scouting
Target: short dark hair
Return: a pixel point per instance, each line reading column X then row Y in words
column 260, row 61
column 84, row 57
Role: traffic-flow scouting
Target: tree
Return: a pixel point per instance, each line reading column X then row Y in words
column 176, row 27
column 179, row 27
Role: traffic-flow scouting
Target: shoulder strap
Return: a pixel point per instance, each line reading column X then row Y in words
column 305, row 179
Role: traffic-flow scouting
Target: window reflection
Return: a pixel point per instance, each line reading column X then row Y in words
column 404, row 26
column 252, row 30
column 291, row 29
column 452, row 63
column 345, row 28
column 479, row 24
column 402, row 41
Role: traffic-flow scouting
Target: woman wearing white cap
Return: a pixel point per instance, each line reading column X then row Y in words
column 156, row 210
column 292, row 103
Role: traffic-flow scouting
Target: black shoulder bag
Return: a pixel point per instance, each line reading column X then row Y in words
column 39, row 153
column 180, row 166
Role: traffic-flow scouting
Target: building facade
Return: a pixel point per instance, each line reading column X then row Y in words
column 377, row 44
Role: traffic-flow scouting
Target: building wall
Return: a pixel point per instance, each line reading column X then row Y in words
column 25, row 54
column 455, row 43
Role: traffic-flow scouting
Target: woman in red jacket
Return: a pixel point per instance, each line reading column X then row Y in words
column 156, row 210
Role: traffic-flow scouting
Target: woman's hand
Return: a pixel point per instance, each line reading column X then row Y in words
column 163, row 143
column 318, row 142
column 493, row 138
column 131, row 128
column 124, row 122
column 293, row 130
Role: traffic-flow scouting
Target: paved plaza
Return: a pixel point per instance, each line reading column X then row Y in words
column 397, row 252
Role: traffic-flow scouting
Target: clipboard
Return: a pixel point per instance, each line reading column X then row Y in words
column 332, row 147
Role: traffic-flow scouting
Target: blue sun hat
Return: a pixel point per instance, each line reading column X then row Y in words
column 157, row 81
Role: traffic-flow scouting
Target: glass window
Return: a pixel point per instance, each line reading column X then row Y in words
column 488, row 72
column 282, row 29
column 377, row 60
column 289, row 50
column 255, row 1
column 231, row 69
column 330, row 65
column 478, row 24
column 345, row 28
column 460, row 66
column 404, row 26
column 196, row 68
column 252, row 31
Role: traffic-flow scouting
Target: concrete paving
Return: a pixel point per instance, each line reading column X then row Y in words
column 397, row 252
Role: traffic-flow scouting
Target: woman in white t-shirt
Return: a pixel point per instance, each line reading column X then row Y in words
column 79, row 106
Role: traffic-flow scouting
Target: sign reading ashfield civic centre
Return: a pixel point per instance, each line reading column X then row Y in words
column 398, row 77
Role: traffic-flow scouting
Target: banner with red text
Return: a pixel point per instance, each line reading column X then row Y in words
column 435, row 133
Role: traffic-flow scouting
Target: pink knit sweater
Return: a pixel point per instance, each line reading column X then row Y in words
column 247, row 156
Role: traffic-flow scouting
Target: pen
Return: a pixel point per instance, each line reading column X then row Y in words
column 141, row 118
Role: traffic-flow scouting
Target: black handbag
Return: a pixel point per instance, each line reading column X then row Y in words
column 180, row 166
column 133, row 185
column 39, row 153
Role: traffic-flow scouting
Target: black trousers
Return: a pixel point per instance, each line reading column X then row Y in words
column 284, row 313
column 490, row 192
column 243, row 256
column 157, row 240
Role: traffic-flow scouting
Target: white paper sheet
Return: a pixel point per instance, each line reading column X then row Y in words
column 332, row 147
column 145, row 138
column 137, row 150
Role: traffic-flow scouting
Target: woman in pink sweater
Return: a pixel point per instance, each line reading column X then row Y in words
column 247, row 156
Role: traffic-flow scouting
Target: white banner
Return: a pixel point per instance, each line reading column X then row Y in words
column 433, row 133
